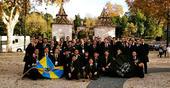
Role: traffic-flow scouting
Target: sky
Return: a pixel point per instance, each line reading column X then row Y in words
column 85, row 8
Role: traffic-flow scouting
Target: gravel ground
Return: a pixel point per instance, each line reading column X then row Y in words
column 11, row 68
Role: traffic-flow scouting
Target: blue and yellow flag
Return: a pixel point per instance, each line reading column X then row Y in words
column 47, row 69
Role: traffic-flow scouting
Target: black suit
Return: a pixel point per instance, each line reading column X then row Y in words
column 113, row 49
column 52, row 48
column 87, row 48
column 139, row 70
column 97, row 61
column 144, row 55
column 106, row 62
column 33, row 73
column 56, row 59
column 94, row 48
column 30, row 50
column 71, row 65
column 40, row 47
column 91, row 68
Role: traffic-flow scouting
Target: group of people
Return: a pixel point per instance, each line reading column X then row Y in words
column 89, row 59
column 163, row 50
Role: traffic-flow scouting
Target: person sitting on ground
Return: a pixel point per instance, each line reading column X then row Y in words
column 139, row 65
column 105, row 64
column 33, row 73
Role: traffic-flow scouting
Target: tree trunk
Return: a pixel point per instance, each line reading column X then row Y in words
column 10, row 31
column 10, row 22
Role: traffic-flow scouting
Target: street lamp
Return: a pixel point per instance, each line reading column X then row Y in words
column 168, row 32
column 47, row 18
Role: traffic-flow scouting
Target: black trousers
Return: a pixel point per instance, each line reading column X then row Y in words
column 139, row 72
column 145, row 67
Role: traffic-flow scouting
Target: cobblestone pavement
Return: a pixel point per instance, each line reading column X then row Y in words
column 11, row 68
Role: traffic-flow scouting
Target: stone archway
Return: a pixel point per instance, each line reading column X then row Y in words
column 81, row 32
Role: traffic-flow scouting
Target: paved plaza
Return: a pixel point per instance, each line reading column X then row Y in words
column 12, row 65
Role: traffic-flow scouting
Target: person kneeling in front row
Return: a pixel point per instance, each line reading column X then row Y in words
column 91, row 70
column 73, row 69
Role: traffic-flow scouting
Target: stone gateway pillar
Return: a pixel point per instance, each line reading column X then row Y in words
column 104, row 26
column 62, row 27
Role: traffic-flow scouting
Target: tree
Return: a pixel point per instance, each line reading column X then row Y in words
column 138, row 19
column 36, row 24
column 49, row 18
column 10, row 11
column 130, row 30
column 155, row 8
column 114, row 9
column 77, row 21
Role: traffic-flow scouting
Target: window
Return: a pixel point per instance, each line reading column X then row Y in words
column 16, row 40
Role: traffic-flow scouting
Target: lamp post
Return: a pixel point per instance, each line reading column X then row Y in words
column 46, row 18
column 25, row 24
column 168, row 32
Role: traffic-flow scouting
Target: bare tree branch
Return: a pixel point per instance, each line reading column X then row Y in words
column 16, row 16
column 12, row 11
column 5, row 17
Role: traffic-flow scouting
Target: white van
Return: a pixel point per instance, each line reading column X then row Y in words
column 17, row 43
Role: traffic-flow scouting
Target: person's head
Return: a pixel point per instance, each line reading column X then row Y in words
column 90, row 61
column 123, row 40
column 105, row 40
column 52, row 42
column 73, row 58
column 99, row 39
column 86, row 54
column 40, row 38
column 96, row 54
column 69, row 43
column 138, row 41
column 142, row 40
column 45, row 40
column 88, row 41
column 58, row 47
column 114, row 39
column 133, row 39
column 119, row 51
column 74, row 40
column 56, row 51
column 106, row 53
column 134, row 54
column 81, row 41
column 68, row 38
column 77, row 40
column 36, row 51
column 61, row 40
column 109, row 38
column 76, row 51
column 36, row 41
column 94, row 42
column 46, row 50
column 67, row 52
column 85, row 39
column 127, row 44
column 130, row 42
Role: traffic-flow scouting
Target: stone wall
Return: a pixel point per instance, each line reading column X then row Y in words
column 61, row 31
column 104, row 32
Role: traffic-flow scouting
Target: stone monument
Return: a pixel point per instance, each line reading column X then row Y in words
column 62, row 27
column 104, row 27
